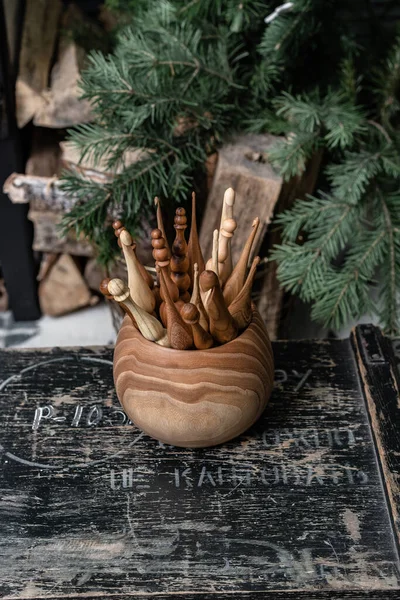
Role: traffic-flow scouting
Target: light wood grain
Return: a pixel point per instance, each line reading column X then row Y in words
column 194, row 398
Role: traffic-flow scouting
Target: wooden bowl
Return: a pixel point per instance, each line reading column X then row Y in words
column 194, row 398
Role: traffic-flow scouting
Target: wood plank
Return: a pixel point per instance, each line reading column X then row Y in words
column 90, row 507
column 380, row 376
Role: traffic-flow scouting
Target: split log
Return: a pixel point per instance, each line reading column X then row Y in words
column 260, row 191
column 57, row 106
column 37, row 48
column 48, row 203
column 257, row 188
column 64, row 290
column 48, row 238
column 62, row 106
column 44, row 193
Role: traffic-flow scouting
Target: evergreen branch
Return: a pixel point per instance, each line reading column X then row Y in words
column 307, row 214
column 304, row 271
column 381, row 129
column 290, row 156
column 319, row 251
column 282, row 28
column 390, row 313
column 350, row 178
column 341, row 310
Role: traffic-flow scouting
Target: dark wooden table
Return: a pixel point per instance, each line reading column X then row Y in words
column 304, row 505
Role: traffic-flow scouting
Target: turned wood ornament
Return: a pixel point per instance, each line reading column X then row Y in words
column 196, row 299
column 118, row 228
column 149, row 326
column 228, row 203
column 179, row 333
column 160, row 225
column 224, row 249
column 191, row 315
column 161, row 256
column 194, row 398
column 194, row 251
column 237, row 278
column 179, row 259
column 138, row 287
column 222, row 326
column 212, row 263
column 240, row 309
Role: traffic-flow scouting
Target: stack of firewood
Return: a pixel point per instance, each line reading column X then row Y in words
column 69, row 275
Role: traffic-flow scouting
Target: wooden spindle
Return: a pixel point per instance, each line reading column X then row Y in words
column 212, row 263
column 227, row 205
column 196, row 299
column 224, row 249
column 160, row 224
column 161, row 256
column 237, row 278
column 179, row 259
column 148, row 325
column 222, row 326
column 194, row 250
column 191, row 315
column 138, row 287
column 179, row 333
column 118, row 228
column 240, row 308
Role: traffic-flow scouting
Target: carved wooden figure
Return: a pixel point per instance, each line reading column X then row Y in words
column 179, row 259
column 118, row 228
column 194, row 251
column 160, row 224
column 194, row 398
column 196, row 299
column 179, row 333
column 224, row 249
column 161, row 256
column 222, row 326
column 212, row 263
column 138, row 287
column 149, row 326
column 240, row 308
column 227, row 205
column 237, row 278
column 191, row 315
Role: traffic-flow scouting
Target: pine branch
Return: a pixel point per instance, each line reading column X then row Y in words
column 348, row 295
column 389, row 312
column 307, row 214
column 388, row 86
column 290, row 156
column 302, row 269
column 350, row 178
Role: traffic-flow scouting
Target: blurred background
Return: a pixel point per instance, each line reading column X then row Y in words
column 104, row 105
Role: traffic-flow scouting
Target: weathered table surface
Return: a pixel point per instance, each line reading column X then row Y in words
column 304, row 505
